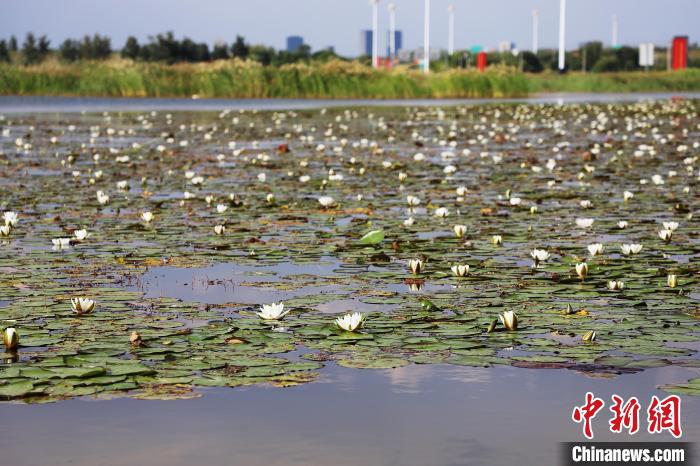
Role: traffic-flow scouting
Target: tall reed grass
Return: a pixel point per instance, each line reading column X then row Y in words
column 335, row 79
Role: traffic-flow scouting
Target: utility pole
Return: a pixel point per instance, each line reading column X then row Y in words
column 426, row 37
column 375, row 27
column 392, row 31
column 562, row 35
column 451, row 30
column 535, row 30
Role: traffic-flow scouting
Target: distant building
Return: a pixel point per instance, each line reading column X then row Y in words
column 294, row 43
column 366, row 42
column 398, row 42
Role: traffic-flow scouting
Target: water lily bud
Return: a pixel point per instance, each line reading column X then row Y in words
column 569, row 310
column 460, row 230
column 492, row 326
column 270, row 198
column 672, row 280
column 416, row 266
column 582, row 270
column 589, row 336
column 10, row 338
column 496, row 240
column 509, row 319
column 533, row 209
column 135, row 338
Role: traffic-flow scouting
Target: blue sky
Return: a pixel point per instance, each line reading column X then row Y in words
column 338, row 22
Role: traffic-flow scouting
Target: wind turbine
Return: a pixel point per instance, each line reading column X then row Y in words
column 562, row 34
column 614, row 31
column 535, row 30
column 392, row 30
column 375, row 27
column 451, row 30
column 426, row 38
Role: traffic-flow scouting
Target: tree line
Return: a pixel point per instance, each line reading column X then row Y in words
column 163, row 47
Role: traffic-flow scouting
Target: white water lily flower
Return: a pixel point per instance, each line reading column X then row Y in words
column 219, row 229
column 102, row 198
column 515, row 201
column 441, row 212
column 82, row 305
column 5, row 230
column 616, row 285
column 586, row 204
column 497, row 240
column 402, row 177
column 460, row 270
column 460, row 230
column 412, row 201
column 672, row 280
column 665, row 235
column 350, row 322
column 584, row 222
column 274, row 311
column 539, row 255
column 270, row 198
column 628, row 249
column 147, row 217
column 60, row 243
column 509, row 319
column 81, row 235
column 221, row 208
column 262, row 177
column 627, row 195
column 123, row 185
column 10, row 218
column 409, row 222
column 416, row 266
column 326, row 201
column 622, row 224
column 671, row 226
column 595, row 249
column 582, row 270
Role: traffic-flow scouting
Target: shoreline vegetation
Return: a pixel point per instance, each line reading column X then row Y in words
column 330, row 80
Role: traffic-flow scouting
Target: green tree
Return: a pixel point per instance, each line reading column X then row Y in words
column 13, row 44
column 30, row 50
column 4, row 51
column 240, row 49
column 70, row 50
column 131, row 48
column 532, row 64
column 220, row 52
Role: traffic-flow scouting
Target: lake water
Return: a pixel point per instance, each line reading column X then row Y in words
column 419, row 414
column 411, row 416
column 22, row 104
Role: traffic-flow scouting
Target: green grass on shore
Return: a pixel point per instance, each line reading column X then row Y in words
column 235, row 79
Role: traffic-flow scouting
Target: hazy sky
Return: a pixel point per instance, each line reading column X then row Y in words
column 338, row 22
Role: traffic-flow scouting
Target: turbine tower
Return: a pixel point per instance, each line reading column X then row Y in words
column 614, row 31
column 535, row 30
column 392, row 30
column 562, row 34
column 426, row 38
column 375, row 27
column 451, row 30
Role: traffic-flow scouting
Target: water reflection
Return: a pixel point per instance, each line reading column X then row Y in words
column 415, row 415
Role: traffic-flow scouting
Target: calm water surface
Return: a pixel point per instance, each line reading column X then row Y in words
column 415, row 415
